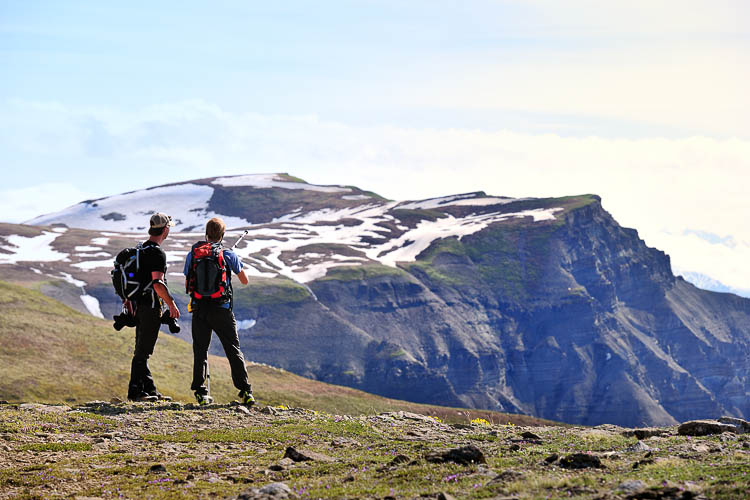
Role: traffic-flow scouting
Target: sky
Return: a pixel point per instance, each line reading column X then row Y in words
column 644, row 103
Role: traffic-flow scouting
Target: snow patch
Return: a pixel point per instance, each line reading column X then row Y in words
column 187, row 203
column 35, row 248
column 86, row 248
column 70, row 279
column 92, row 304
column 100, row 241
column 273, row 181
column 96, row 254
column 460, row 199
column 93, row 264
column 356, row 197
column 245, row 324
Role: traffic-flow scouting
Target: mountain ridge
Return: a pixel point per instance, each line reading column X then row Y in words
column 541, row 306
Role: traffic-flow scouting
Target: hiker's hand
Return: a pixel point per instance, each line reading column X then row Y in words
column 173, row 311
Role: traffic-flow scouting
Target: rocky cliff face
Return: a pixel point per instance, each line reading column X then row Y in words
column 541, row 306
column 575, row 320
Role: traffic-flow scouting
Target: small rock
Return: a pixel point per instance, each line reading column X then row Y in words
column 743, row 426
column 644, row 433
column 464, row 456
column 445, row 496
column 349, row 479
column 552, row 458
column 663, row 493
column 508, row 476
column 276, row 467
column 704, row 428
column 632, row 486
column 530, row 435
column 400, row 459
column 514, row 447
column 286, row 462
column 157, row 468
column 116, row 401
column 581, row 461
column 303, row 456
column 6, row 447
column 638, row 447
column 242, row 409
column 269, row 410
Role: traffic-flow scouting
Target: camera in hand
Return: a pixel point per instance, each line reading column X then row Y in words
column 122, row 320
column 174, row 326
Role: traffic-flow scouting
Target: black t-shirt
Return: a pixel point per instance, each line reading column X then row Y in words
column 152, row 259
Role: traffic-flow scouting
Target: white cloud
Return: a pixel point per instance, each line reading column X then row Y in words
column 18, row 205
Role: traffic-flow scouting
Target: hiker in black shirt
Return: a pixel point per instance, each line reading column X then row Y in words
column 149, row 309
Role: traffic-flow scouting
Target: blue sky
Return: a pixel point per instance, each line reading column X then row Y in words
column 642, row 102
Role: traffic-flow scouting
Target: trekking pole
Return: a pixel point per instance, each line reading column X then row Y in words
column 239, row 239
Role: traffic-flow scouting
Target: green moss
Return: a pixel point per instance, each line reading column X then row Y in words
column 363, row 272
column 269, row 291
column 56, row 447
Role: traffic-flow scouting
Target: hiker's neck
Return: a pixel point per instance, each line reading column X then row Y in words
column 158, row 239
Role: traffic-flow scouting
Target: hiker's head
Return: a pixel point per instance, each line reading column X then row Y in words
column 215, row 230
column 160, row 224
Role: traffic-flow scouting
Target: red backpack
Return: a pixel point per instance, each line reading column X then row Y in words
column 207, row 276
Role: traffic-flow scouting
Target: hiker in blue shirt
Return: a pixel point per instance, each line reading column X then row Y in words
column 208, row 280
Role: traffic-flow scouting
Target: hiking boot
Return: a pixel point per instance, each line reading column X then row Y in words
column 203, row 399
column 143, row 398
column 246, row 398
column 160, row 397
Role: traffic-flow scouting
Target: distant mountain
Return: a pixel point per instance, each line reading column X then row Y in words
column 539, row 306
column 707, row 283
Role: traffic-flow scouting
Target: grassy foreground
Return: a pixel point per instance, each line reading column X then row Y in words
column 50, row 353
column 172, row 450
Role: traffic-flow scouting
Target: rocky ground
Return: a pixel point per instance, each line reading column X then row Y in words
column 174, row 450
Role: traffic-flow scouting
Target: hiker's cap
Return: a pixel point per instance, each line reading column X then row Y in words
column 160, row 220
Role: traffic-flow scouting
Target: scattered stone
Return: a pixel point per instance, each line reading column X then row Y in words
column 242, row 409
column 276, row 467
column 304, row 455
column 552, row 458
column 530, row 435
column 704, row 428
column 464, row 456
column 349, row 479
column 743, row 426
column 269, row 410
column 514, row 447
column 269, row 491
column 445, row 496
column 157, row 468
column 286, row 462
column 644, row 433
column 400, row 459
column 116, row 401
column 645, row 461
column 638, row 447
column 507, row 476
column 663, row 493
column 632, row 486
column 40, row 408
column 581, row 461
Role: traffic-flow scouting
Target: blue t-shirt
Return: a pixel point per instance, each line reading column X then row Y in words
column 233, row 264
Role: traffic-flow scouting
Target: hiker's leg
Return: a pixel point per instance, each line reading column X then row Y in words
column 201, row 341
column 146, row 334
column 226, row 329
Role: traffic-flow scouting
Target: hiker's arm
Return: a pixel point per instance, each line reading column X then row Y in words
column 241, row 276
column 163, row 294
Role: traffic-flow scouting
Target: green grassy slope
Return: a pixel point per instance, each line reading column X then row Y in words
column 52, row 353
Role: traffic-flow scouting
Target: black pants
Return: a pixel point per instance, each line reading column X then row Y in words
column 146, row 333
column 208, row 317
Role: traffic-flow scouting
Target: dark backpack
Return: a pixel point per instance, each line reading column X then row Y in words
column 127, row 276
column 207, row 277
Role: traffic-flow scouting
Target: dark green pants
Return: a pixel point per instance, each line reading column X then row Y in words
column 213, row 317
